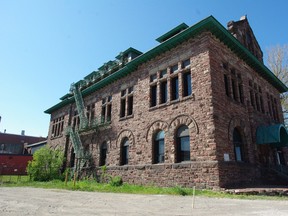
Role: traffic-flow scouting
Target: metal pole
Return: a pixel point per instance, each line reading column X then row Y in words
column 193, row 198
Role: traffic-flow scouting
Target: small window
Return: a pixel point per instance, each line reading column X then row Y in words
column 159, row 147
column 225, row 65
column 226, row 82
column 174, row 68
column 130, row 105
column 153, row 77
column 174, row 88
column 240, row 90
column 234, row 89
column 103, row 113
column 109, row 112
column 103, row 154
column 109, row 98
column 186, row 63
column 187, row 87
column 123, row 92
column 163, row 73
column 183, row 144
column 122, row 107
column 163, row 92
column 153, row 95
column 130, row 90
column 124, row 151
column 238, row 145
column 252, row 98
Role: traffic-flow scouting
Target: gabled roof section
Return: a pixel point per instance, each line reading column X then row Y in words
column 209, row 24
column 172, row 32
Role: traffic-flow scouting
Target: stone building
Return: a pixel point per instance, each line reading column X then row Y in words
column 200, row 109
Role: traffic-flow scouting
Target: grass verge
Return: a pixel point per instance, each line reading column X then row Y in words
column 93, row 186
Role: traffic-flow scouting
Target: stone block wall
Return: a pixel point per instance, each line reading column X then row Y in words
column 209, row 114
column 189, row 174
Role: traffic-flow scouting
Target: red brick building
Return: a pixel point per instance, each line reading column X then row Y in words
column 200, row 109
column 14, row 155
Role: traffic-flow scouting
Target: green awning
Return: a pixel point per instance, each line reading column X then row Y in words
column 275, row 135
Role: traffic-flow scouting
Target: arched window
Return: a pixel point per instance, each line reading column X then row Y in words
column 124, row 151
column 238, row 145
column 183, row 144
column 158, row 147
column 103, row 154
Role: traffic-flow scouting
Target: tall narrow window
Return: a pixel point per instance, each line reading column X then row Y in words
column 174, row 68
column 182, row 144
column 103, row 154
column 186, row 63
column 106, row 110
column 109, row 112
column 91, row 113
column 187, row 87
column 226, row 82
column 126, row 102
column 124, row 151
column 130, row 105
column 238, row 145
column 252, row 98
column 234, row 89
column 57, row 127
column 159, row 147
column 123, row 107
column 174, row 88
column 103, row 110
column 163, row 92
column 240, row 89
column 153, row 95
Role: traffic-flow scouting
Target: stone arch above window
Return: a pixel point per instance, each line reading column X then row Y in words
column 184, row 120
column 156, row 126
column 240, row 125
column 123, row 134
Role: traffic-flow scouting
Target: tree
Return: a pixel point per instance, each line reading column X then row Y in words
column 278, row 63
column 46, row 164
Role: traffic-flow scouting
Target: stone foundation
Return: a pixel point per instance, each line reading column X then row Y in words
column 189, row 174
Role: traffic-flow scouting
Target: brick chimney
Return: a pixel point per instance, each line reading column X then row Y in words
column 242, row 31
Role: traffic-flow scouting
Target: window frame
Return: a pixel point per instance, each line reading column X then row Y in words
column 124, row 152
column 181, row 141
column 158, row 142
column 103, row 154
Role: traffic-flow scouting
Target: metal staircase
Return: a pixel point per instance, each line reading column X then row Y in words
column 82, row 156
column 75, row 88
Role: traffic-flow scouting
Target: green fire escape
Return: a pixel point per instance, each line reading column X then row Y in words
column 82, row 156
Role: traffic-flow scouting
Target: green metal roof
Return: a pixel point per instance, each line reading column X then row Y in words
column 130, row 49
column 275, row 135
column 208, row 24
column 172, row 32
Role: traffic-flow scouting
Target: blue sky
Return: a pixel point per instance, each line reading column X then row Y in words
column 47, row 45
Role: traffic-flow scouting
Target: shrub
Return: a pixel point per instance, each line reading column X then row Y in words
column 116, row 181
column 181, row 191
column 46, row 165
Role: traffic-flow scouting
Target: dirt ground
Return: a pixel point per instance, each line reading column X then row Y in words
column 34, row 201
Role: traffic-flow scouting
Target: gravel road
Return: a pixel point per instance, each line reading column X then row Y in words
column 35, row 201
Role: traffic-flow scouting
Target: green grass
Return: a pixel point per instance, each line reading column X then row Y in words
column 92, row 185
